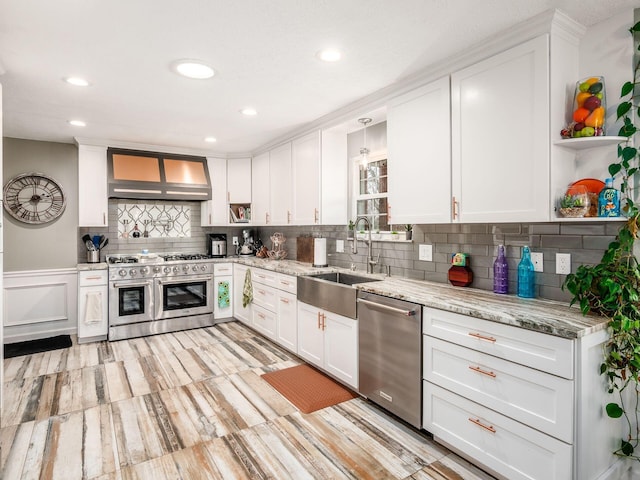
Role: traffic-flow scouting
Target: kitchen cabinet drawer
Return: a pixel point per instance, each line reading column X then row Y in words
column 287, row 283
column 264, row 277
column 92, row 277
column 287, row 321
column 265, row 297
column 536, row 350
column 537, row 399
column 264, row 321
column 503, row 445
column 222, row 269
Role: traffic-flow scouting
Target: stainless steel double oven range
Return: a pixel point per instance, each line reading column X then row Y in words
column 150, row 294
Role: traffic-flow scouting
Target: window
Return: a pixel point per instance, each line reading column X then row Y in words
column 371, row 191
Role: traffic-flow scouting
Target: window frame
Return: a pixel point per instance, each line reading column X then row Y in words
column 355, row 187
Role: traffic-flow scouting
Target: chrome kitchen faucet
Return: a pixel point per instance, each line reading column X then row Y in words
column 354, row 246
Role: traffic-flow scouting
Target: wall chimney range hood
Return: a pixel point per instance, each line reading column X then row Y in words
column 157, row 176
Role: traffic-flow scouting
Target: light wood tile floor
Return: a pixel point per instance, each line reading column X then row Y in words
column 192, row 405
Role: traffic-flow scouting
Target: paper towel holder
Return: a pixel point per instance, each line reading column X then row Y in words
column 319, row 252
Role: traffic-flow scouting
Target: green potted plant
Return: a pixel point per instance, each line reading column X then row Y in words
column 574, row 206
column 409, row 231
column 612, row 287
column 351, row 229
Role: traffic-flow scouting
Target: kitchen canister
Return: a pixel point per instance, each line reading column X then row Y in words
column 93, row 256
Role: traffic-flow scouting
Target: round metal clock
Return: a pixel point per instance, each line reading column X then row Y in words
column 34, row 198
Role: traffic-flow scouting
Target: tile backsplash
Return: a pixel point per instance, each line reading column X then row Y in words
column 585, row 241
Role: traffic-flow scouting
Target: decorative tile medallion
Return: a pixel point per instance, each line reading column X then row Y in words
column 154, row 220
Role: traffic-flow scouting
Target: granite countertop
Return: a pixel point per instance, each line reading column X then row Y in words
column 91, row 266
column 545, row 316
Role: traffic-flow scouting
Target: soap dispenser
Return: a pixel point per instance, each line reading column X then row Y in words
column 526, row 275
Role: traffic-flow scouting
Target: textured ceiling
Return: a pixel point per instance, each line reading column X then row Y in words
column 263, row 53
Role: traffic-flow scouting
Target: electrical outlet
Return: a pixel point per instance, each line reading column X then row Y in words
column 537, row 258
column 339, row 246
column 235, row 240
column 425, row 253
column 563, row 263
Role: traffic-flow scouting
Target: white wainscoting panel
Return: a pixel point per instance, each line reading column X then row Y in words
column 39, row 304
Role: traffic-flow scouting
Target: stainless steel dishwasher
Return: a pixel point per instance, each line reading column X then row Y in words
column 390, row 355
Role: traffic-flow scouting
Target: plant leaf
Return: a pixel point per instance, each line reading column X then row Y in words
column 627, row 88
column 626, row 448
column 629, row 152
column 614, row 168
column 623, row 109
column 614, row 410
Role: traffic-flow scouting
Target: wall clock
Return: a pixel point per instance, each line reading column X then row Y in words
column 34, row 198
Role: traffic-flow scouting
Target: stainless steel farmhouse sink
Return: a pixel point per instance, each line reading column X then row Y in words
column 332, row 291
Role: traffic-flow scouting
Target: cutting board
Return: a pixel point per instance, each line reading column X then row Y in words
column 304, row 249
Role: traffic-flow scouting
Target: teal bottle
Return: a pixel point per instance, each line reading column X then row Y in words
column 526, row 275
column 609, row 200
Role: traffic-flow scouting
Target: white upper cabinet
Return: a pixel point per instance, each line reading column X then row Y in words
column 215, row 211
column 419, row 154
column 306, row 179
column 93, row 201
column 334, row 183
column 280, row 185
column 239, row 180
column 260, row 190
column 500, row 137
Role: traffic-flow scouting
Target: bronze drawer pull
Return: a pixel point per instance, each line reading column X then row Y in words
column 284, row 300
column 484, row 372
column 477, row 421
column 482, row 337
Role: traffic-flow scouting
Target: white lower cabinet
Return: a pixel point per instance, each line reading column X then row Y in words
column 505, row 446
column 329, row 341
column 93, row 305
column 241, row 312
column 273, row 310
column 520, row 403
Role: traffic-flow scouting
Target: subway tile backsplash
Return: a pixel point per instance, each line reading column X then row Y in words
column 585, row 242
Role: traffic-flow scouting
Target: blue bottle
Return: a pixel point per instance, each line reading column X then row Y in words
column 526, row 276
column 609, row 200
column 501, row 272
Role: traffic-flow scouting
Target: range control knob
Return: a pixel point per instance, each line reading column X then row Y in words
column 144, row 270
column 122, row 272
column 185, row 268
column 133, row 272
column 157, row 269
column 167, row 269
column 176, row 269
column 195, row 268
column 203, row 268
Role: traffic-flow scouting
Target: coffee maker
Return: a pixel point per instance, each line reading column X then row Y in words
column 217, row 245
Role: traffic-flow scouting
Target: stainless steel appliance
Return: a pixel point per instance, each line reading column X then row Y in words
column 217, row 246
column 151, row 294
column 390, row 355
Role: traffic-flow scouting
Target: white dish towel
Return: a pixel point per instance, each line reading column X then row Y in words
column 93, row 309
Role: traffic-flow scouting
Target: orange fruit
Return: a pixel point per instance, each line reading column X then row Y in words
column 581, row 114
column 592, row 80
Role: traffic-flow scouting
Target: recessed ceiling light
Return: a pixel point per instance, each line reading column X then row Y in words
column 211, row 139
column 77, row 123
column 249, row 111
column 194, row 69
column 77, row 81
column 329, row 55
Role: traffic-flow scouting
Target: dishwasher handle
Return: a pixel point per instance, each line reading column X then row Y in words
column 382, row 306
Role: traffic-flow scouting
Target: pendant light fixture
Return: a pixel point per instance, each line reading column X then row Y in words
column 364, row 151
